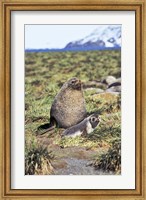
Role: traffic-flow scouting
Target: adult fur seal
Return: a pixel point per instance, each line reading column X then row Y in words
column 68, row 107
column 83, row 128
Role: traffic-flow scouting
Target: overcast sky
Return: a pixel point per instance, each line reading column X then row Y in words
column 54, row 36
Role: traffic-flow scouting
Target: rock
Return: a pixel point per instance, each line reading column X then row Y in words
column 117, row 82
column 108, row 85
column 114, row 89
column 93, row 85
column 107, row 96
column 119, row 79
column 109, row 80
column 90, row 84
column 99, row 91
column 101, row 86
column 90, row 89
column 95, row 90
column 115, row 86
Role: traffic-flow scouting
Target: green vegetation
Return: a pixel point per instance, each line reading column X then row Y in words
column 110, row 161
column 37, row 161
column 44, row 75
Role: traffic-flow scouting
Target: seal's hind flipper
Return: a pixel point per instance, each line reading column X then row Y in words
column 44, row 128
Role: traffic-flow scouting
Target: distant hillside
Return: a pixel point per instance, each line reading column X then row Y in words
column 104, row 37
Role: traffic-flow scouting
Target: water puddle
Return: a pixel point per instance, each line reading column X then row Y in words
column 76, row 166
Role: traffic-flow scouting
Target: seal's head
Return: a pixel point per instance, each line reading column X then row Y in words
column 74, row 83
column 94, row 120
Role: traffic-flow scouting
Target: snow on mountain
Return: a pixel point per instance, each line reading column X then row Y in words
column 103, row 36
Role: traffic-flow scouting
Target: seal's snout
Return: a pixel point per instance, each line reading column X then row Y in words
column 78, row 83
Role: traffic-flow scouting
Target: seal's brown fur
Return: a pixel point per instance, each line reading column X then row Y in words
column 68, row 107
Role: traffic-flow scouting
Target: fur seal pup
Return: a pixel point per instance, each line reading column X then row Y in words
column 68, row 107
column 83, row 128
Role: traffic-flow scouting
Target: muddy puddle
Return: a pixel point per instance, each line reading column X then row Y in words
column 76, row 166
column 73, row 160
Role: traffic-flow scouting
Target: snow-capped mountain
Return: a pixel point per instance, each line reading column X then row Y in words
column 105, row 36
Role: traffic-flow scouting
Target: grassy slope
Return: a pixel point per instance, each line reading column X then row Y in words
column 44, row 75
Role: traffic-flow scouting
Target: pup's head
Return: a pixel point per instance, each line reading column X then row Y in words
column 94, row 120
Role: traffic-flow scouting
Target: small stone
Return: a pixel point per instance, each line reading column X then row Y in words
column 114, row 89
column 109, row 80
column 99, row 91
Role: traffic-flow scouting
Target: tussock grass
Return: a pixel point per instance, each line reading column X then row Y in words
column 37, row 158
column 110, row 161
